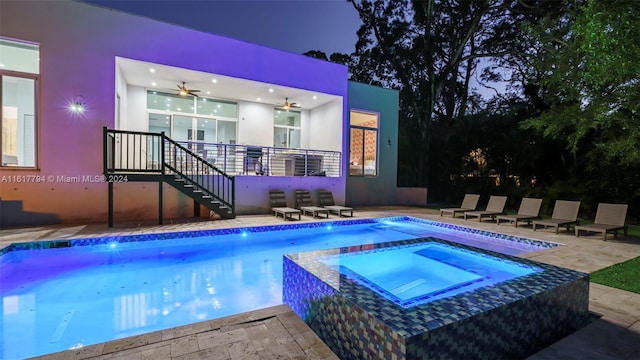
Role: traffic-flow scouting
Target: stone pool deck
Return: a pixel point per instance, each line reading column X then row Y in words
column 276, row 333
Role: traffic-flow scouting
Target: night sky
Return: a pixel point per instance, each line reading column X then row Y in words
column 292, row 25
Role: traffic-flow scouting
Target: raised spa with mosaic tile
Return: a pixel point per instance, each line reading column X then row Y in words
column 433, row 299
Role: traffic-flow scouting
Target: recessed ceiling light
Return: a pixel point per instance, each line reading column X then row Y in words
column 218, row 105
column 153, row 84
column 215, row 81
column 152, row 70
column 155, row 93
column 270, row 90
column 208, row 92
column 155, row 101
column 259, row 99
column 314, row 97
column 1, row 65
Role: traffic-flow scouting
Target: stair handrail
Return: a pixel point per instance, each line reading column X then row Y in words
column 192, row 168
column 203, row 175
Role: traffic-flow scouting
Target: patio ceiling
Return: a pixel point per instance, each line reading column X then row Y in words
column 166, row 78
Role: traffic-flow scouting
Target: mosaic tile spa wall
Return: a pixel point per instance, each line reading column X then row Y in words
column 513, row 319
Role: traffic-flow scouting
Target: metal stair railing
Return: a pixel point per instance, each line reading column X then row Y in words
column 181, row 162
column 147, row 153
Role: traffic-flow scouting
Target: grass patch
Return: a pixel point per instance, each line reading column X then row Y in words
column 633, row 231
column 621, row 276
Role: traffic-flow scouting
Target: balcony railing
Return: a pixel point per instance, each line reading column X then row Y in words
column 268, row 161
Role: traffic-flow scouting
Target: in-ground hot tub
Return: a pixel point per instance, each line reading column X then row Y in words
column 429, row 298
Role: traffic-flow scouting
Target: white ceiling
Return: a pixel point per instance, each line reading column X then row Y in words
column 167, row 78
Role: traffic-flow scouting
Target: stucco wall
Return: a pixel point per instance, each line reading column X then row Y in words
column 78, row 46
column 380, row 189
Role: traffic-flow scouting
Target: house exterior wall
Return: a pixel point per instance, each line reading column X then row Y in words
column 380, row 189
column 78, row 46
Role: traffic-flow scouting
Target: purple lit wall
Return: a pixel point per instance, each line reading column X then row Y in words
column 78, row 46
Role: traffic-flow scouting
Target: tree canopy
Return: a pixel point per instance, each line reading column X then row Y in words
column 520, row 97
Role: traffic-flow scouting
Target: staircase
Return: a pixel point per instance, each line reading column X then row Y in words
column 153, row 157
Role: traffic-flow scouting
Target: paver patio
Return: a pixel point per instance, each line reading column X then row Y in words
column 276, row 333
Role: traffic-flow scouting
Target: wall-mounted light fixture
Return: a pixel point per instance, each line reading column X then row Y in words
column 77, row 105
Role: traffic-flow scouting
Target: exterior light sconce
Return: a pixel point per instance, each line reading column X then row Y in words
column 78, row 106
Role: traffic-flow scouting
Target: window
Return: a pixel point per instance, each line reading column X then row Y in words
column 363, row 144
column 192, row 119
column 286, row 132
column 19, row 69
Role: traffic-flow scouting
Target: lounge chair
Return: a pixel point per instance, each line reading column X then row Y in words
column 529, row 210
column 326, row 201
column 494, row 207
column 469, row 203
column 565, row 213
column 278, row 204
column 303, row 202
column 609, row 218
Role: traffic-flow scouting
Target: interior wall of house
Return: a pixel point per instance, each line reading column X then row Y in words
column 136, row 109
column 325, row 126
column 121, row 91
column 80, row 43
column 255, row 124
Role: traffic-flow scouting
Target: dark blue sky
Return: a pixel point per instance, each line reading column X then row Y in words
column 291, row 25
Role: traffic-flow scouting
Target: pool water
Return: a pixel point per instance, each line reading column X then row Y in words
column 414, row 275
column 68, row 297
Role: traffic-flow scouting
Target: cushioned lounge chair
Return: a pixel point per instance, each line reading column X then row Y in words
column 565, row 213
column 609, row 218
column 529, row 210
column 279, row 206
column 326, row 201
column 495, row 206
column 469, row 203
column 303, row 202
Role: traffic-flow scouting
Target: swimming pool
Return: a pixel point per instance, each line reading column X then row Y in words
column 71, row 293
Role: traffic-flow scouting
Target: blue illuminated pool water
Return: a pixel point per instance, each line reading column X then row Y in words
column 94, row 290
column 414, row 275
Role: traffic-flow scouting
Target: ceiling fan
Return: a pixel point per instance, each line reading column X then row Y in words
column 184, row 91
column 288, row 105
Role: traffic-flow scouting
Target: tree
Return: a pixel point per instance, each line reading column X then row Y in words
column 431, row 50
column 593, row 82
